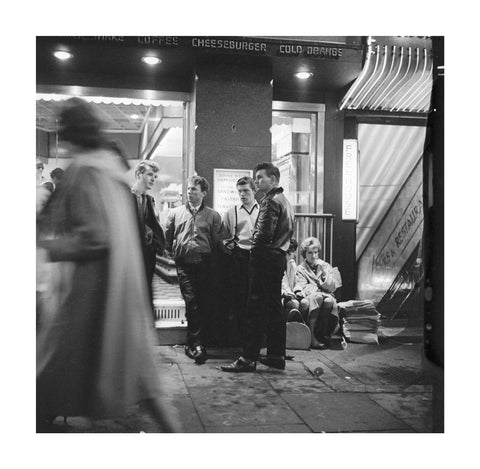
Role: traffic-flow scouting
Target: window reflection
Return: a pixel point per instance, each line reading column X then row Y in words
column 294, row 152
column 144, row 128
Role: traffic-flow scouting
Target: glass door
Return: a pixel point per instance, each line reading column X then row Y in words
column 297, row 149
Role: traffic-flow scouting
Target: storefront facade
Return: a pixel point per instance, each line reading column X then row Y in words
column 217, row 106
column 223, row 103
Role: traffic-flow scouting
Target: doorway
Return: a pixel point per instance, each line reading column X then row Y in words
column 298, row 151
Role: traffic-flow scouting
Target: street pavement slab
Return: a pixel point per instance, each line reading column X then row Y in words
column 171, row 380
column 187, row 414
column 295, row 385
column 415, row 409
column 382, row 388
column 209, row 374
column 342, row 412
column 286, row 428
column 231, row 406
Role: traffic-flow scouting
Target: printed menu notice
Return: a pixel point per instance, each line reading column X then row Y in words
column 225, row 193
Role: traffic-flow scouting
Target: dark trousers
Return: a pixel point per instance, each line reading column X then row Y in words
column 150, row 261
column 264, row 310
column 239, row 284
column 326, row 325
column 194, row 282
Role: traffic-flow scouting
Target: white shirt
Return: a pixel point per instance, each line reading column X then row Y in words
column 245, row 223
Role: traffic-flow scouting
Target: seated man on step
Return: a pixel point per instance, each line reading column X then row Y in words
column 295, row 307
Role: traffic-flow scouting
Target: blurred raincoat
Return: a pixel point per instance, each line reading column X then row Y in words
column 96, row 338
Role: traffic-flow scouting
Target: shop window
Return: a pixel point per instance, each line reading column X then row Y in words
column 145, row 128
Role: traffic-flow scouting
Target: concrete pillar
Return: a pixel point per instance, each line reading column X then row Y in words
column 233, row 116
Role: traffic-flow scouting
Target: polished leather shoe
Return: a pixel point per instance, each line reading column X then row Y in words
column 318, row 346
column 189, row 351
column 240, row 366
column 200, row 355
column 197, row 353
column 273, row 362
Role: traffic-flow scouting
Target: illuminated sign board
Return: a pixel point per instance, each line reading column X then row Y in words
column 247, row 45
column 350, row 180
column 225, row 194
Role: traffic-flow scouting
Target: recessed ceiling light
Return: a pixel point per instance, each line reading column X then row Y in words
column 134, row 116
column 150, row 60
column 303, row 75
column 62, row 55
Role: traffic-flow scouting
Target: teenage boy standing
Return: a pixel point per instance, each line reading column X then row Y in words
column 271, row 239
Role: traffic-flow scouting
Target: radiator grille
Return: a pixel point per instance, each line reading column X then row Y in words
column 170, row 311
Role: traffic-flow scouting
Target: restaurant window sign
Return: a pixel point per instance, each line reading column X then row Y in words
column 350, row 180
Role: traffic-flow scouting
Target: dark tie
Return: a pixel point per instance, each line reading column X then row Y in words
column 142, row 207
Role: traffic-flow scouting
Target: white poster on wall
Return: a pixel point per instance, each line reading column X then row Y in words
column 225, row 194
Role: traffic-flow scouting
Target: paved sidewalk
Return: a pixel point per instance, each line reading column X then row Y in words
column 366, row 388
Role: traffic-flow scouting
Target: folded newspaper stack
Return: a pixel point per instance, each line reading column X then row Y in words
column 360, row 321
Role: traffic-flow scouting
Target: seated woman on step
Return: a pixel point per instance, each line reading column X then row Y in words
column 316, row 279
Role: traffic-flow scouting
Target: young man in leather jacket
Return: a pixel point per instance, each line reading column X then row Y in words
column 271, row 239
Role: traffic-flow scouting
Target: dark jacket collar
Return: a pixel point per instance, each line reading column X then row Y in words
column 274, row 191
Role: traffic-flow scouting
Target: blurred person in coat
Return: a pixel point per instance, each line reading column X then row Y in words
column 95, row 344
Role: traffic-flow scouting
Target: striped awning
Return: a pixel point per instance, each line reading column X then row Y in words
column 120, row 114
column 396, row 77
column 107, row 100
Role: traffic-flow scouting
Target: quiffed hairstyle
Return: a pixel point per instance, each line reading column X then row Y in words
column 199, row 181
column 270, row 169
column 307, row 243
column 141, row 167
column 80, row 124
column 246, row 180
